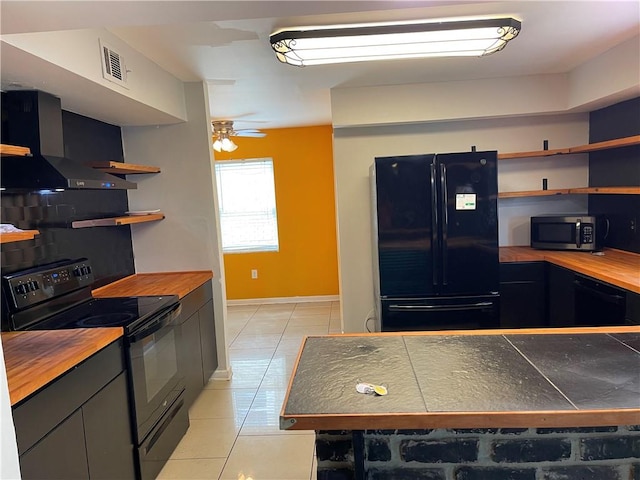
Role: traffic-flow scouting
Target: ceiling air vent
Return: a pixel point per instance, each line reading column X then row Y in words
column 113, row 67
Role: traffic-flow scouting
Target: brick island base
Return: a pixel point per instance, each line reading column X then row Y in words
column 578, row 453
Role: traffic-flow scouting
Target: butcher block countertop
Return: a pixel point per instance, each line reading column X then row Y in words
column 615, row 267
column 164, row 283
column 569, row 377
column 35, row 358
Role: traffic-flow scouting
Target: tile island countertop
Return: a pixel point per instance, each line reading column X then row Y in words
column 567, row 377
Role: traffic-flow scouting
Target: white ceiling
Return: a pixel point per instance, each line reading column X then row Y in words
column 226, row 44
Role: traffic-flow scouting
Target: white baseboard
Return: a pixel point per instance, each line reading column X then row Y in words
column 222, row 374
column 262, row 301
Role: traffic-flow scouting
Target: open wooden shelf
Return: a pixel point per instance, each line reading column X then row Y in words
column 13, row 150
column 607, row 190
column 590, row 147
column 573, row 191
column 117, row 221
column 534, row 193
column 18, row 236
column 121, row 168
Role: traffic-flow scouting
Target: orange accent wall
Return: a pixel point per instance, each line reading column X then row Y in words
column 307, row 262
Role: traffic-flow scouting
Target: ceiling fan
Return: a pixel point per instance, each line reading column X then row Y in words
column 223, row 129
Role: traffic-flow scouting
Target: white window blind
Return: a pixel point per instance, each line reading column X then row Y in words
column 247, row 201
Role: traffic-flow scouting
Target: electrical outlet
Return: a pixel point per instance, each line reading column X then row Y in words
column 254, row 274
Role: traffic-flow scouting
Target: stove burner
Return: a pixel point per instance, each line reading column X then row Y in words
column 106, row 320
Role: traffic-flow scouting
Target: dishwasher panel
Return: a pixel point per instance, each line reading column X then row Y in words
column 598, row 304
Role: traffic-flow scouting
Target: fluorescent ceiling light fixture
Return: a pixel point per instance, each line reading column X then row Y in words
column 360, row 43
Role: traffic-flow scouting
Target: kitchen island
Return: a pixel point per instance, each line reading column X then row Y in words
column 499, row 404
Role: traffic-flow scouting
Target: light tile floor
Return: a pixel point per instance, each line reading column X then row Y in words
column 234, row 431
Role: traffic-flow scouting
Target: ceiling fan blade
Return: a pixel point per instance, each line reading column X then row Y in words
column 254, row 134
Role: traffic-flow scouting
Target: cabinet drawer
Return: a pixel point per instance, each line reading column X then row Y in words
column 38, row 415
column 522, row 272
column 196, row 299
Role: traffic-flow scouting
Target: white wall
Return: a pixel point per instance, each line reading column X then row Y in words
column 446, row 101
column 188, row 238
column 354, row 151
column 608, row 78
column 73, row 58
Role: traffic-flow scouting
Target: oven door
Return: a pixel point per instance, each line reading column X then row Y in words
column 153, row 365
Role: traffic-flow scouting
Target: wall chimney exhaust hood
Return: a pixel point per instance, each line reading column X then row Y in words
column 35, row 121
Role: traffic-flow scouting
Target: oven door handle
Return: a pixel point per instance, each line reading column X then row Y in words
column 158, row 323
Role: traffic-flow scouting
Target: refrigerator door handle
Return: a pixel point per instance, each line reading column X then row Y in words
column 434, row 225
column 445, row 219
column 440, row 308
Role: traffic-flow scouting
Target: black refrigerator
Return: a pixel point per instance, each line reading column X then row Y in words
column 435, row 241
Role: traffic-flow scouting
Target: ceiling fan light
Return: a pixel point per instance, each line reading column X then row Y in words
column 228, row 145
column 217, row 145
column 357, row 43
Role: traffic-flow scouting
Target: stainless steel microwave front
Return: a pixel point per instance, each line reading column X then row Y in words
column 567, row 232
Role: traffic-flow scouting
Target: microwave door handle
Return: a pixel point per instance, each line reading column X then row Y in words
column 578, row 235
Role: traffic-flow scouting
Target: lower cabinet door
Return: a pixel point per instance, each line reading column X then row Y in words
column 561, row 297
column 60, row 455
column 523, row 299
column 208, row 341
column 191, row 359
column 108, row 433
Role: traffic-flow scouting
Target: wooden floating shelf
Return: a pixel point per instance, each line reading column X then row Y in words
column 573, row 191
column 18, row 236
column 13, row 150
column 537, row 153
column 590, row 147
column 607, row 190
column 121, row 168
column 117, row 221
column 534, row 193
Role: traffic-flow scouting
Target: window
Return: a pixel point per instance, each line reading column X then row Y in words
column 247, row 201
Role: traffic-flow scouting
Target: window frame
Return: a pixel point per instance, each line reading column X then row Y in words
column 261, row 245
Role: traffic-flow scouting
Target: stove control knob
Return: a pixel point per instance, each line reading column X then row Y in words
column 85, row 270
column 21, row 289
column 77, row 271
column 33, row 286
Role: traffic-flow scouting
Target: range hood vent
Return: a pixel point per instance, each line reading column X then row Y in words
column 35, row 121
column 46, row 172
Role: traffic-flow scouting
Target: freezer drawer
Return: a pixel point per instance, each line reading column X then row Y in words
column 442, row 313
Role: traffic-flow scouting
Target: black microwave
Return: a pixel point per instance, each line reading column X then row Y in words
column 568, row 232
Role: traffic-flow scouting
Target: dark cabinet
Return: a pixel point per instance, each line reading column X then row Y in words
column 523, row 297
column 79, row 425
column 561, row 295
column 632, row 314
column 198, row 353
column 208, row 341
column 107, row 432
column 61, row 455
column 191, row 358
